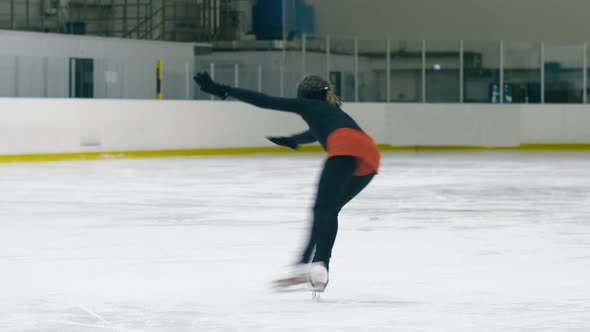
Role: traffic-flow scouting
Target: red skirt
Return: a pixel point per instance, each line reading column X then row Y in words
column 352, row 142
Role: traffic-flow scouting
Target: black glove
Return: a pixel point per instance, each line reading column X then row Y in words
column 284, row 141
column 207, row 85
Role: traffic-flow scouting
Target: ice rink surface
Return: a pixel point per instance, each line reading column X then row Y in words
column 437, row 242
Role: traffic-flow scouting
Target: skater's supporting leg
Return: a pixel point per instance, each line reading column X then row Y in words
column 357, row 184
column 310, row 247
column 332, row 188
column 325, row 244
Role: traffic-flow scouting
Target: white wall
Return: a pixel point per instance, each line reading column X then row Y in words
column 555, row 124
column 453, row 125
column 69, row 125
column 372, row 118
column 39, row 62
column 75, row 125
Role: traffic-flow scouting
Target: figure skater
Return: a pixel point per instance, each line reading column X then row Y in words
column 351, row 163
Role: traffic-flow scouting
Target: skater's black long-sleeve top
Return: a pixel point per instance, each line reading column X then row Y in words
column 321, row 117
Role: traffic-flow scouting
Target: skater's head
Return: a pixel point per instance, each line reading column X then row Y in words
column 315, row 87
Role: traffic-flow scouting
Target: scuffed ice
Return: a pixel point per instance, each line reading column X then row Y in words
column 438, row 242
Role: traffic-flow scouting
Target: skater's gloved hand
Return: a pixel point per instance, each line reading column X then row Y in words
column 208, row 86
column 284, row 141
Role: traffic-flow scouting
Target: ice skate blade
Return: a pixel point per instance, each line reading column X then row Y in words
column 290, row 281
column 291, row 288
column 316, row 296
column 318, row 287
column 302, row 287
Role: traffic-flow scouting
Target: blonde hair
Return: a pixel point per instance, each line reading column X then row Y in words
column 317, row 87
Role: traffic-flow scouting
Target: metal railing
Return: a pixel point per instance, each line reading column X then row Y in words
column 496, row 72
column 458, row 71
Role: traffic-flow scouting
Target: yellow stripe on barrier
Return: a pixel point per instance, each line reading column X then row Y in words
column 547, row 147
column 555, row 147
column 266, row 150
column 147, row 154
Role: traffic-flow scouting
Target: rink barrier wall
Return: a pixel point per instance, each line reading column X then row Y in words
column 82, row 129
column 169, row 153
column 54, row 157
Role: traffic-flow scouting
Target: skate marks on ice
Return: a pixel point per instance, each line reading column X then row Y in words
column 304, row 293
column 70, row 317
column 335, row 300
column 495, row 244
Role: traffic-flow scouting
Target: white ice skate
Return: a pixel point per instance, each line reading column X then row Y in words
column 305, row 278
column 318, row 280
column 318, row 277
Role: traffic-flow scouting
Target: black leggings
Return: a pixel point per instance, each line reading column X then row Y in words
column 337, row 186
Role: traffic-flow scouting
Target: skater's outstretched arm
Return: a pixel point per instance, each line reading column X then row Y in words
column 294, row 105
column 294, row 141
